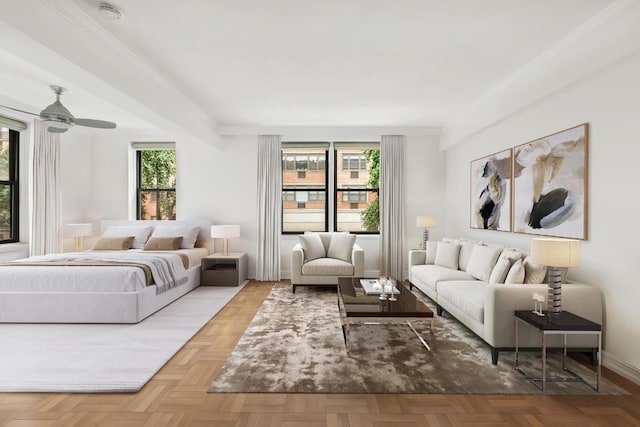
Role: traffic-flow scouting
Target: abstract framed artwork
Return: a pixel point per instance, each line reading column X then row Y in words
column 491, row 191
column 550, row 184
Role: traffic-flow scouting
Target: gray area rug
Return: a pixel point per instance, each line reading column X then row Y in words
column 89, row 358
column 295, row 345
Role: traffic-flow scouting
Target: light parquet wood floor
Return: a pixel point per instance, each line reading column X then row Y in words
column 177, row 396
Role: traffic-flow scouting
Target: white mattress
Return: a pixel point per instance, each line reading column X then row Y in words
column 80, row 278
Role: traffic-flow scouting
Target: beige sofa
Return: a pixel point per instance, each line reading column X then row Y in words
column 471, row 287
column 320, row 258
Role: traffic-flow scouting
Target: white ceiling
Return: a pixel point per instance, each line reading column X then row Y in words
column 206, row 63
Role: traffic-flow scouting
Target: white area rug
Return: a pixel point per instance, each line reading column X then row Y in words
column 103, row 358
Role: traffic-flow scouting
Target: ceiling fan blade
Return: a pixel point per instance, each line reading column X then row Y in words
column 19, row 111
column 56, row 130
column 102, row 124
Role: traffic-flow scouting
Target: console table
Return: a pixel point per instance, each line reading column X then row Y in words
column 564, row 323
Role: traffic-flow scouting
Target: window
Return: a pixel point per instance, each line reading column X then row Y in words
column 356, row 182
column 304, row 188
column 156, row 182
column 354, row 187
column 9, row 205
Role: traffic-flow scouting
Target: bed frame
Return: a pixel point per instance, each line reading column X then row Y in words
column 99, row 307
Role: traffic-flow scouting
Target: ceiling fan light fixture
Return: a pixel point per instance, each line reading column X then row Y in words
column 110, row 12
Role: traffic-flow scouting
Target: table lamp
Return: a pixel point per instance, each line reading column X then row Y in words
column 78, row 231
column 225, row 232
column 557, row 255
column 425, row 222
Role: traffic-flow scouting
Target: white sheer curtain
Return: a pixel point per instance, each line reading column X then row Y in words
column 392, row 206
column 269, row 207
column 45, row 203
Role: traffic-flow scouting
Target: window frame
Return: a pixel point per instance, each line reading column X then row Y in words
column 14, row 185
column 306, row 189
column 139, row 189
column 331, row 189
column 337, row 189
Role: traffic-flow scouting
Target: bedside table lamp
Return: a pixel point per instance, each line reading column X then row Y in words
column 557, row 255
column 425, row 222
column 78, row 231
column 225, row 232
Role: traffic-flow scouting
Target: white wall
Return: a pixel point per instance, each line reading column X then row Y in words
column 221, row 185
column 610, row 102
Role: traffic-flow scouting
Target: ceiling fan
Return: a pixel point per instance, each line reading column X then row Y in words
column 58, row 119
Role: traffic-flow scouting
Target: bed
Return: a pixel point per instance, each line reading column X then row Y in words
column 118, row 290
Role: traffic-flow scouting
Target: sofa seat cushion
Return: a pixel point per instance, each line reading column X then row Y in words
column 430, row 275
column 468, row 296
column 327, row 267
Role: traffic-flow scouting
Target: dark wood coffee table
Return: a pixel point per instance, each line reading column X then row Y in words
column 356, row 306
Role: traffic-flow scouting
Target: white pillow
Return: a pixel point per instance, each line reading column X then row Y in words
column 533, row 273
column 341, row 246
column 432, row 249
column 312, row 246
column 516, row 273
column 500, row 271
column 482, row 261
column 466, row 248
column 447, row 255
column 139, row 232
column 189, row 234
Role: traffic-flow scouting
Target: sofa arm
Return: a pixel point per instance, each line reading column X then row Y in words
column 417, row 257
column 357, row 259
column 501, row 300
column 297, row 259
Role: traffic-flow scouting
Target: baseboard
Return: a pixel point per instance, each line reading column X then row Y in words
column 631, row 373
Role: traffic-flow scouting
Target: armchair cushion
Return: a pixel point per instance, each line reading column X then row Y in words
column 341, row 246
column 312, row 246
column 327, row 267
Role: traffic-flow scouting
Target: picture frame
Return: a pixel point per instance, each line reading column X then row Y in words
column 490, row 207
column 550, row 184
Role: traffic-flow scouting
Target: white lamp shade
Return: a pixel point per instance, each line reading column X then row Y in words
column 225, row 231
column 78, row 230
column 426, row 221
column 556, row 252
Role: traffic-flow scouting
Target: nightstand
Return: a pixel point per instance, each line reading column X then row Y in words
column 223, row 270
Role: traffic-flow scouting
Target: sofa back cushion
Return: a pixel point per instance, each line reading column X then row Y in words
column 447, row 255
column 341, row 246
column 482, row 261
column 312, row 246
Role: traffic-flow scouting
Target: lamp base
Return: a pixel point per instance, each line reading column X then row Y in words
column 79, row 244
column 554, row 297
column 425, row 238
column 225, row 247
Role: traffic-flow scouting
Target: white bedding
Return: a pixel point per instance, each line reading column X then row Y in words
column 82, row 279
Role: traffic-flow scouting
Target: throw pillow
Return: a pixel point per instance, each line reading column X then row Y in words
column 432, row 248
column 482, row 261
column 447, row 255
column 466, row 248
column 341, row 246
column 500, row 271
column 163, row 243
column 114, row 243
column 189, row 234
column 516, row 273
column 312, row 246
column 140, row 232
column 533, row 273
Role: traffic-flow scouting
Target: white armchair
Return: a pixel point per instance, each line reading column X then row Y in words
column 321, row 258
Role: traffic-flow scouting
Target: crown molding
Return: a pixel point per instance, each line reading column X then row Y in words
column 605, row 42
